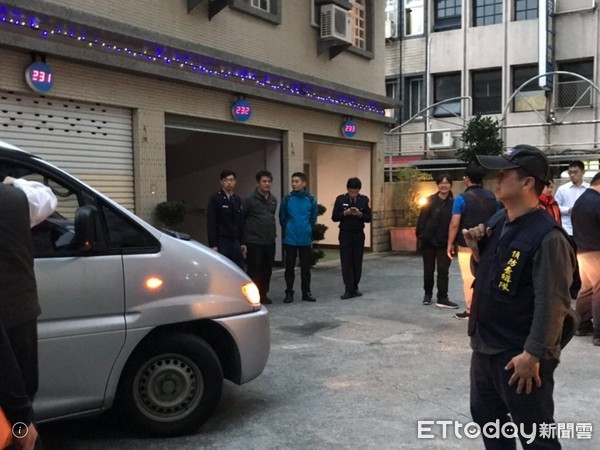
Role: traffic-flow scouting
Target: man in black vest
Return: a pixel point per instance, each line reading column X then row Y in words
column 352, row 211
column 225, row 222
column 524, row 266
column 23, row 204
column 474, row 206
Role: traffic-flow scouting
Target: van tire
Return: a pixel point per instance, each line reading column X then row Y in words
column 171, row 385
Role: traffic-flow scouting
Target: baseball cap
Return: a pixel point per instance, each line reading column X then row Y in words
column 527, row 157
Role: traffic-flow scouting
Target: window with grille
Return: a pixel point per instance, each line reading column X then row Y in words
column 447, row 15
column 487, row 12
column 526, row 9
column 486, row 91
column 573, row 91
column 359, row 24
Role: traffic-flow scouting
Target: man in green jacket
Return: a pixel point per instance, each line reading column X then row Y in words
column 258, row 211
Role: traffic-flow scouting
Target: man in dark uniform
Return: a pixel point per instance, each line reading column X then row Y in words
column 352, row 211
column 225, row 222
column 519, row 303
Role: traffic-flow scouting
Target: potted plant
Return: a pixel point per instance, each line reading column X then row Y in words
column 170, row 213
column 318, row 234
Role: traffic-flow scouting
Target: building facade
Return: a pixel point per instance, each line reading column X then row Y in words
column 149, row 101
column 481, row 54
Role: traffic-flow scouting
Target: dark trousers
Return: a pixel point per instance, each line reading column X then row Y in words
column 431, row 257
column 260, row 265
column 492, row 399
column 24, row 341
column 291, row 252
column 232, row 249
column 352, row 249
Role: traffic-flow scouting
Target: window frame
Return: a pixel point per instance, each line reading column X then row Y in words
column 408, row 96
column 533, row 90
column 526, row 10
column 394, row 82
column 273, row 16
column 560, row 82
column 486, row 112
column 442, row 111
column 494, row 3
column 453, row 22
column 407, row 6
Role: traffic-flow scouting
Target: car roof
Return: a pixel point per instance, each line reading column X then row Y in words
column 9, row 149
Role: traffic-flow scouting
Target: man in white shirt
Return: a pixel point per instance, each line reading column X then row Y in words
column 567, row 194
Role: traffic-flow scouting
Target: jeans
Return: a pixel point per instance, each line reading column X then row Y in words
column 431, row 257
column 291, row 253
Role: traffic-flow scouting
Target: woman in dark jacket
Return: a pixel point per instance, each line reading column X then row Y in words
column 432, row 231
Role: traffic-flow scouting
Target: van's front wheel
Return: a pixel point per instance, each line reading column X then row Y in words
column 172, row 384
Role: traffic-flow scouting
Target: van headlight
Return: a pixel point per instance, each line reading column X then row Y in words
column 251, row 293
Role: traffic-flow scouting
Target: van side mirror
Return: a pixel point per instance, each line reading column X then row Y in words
column 85, row 227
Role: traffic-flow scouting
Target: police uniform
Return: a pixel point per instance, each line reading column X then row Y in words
column 352, row 238
column 225, row 226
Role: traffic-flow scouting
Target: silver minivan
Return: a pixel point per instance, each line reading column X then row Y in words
column 132, row 316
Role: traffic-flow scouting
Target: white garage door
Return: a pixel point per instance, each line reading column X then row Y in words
column 92, row 142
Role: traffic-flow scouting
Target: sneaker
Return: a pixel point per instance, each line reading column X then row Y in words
column 463, row 315
column 446, row 303
column 427, row 299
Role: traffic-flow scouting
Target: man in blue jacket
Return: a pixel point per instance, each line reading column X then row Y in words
column 297, row 216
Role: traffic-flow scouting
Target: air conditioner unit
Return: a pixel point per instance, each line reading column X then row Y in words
column 335, row 23
column 439, row 139
column 391, row 30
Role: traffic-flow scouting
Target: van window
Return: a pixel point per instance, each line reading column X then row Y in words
column 124, row 234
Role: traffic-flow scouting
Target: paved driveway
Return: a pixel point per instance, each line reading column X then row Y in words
column 357, row 373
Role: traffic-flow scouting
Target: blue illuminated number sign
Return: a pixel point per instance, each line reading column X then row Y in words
column 39, row 77
column 349, row 129
column 241, row 110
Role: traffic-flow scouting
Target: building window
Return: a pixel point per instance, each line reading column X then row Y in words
column 444, row 87
column 487, row 12
column 359, row 24
column 486, row 88
column 447, row 15
column 269, row 10
column 531, row 97
column 573, row 91
column 392, row 90
column 263, row 5
column 526, row 9
column 413, row 17
column 415, row 97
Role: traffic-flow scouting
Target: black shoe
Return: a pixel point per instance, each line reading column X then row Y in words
column 596, row 340
column 585, row 328
column 266, row 300
column 462, row 316
column 289, row 297
column 427, row 299
column 308, row 297
column 357, row 293
column 348, row 295
column 446, row 303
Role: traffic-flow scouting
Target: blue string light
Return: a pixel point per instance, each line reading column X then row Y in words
column 218, row 69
